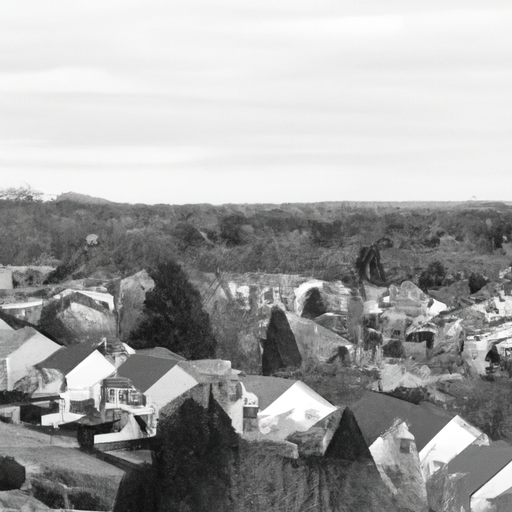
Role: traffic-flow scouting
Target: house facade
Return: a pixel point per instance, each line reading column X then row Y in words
column 19, row 351
column 83, row 368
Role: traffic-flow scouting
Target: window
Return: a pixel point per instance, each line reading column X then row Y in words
column 405, row 445
column 135, row 398
column 123, row 396
column 111, row 396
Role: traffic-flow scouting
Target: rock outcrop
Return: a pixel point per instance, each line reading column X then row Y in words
column 292, row 341
column 129, row 295
column 76, row 317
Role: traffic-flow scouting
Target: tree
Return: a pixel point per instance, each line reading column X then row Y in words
column 26, row 193
column 433, row 276
column 174, row 316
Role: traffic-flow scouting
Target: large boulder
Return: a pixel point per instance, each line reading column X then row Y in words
column 316, row 343
column 292, row 342
column 130, row 294
column 454, row 296
column 76, row 317
column 315, row 298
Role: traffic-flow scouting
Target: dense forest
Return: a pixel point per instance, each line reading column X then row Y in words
column 320, row 240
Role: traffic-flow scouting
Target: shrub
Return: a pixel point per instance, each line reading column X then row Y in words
column 476, row 282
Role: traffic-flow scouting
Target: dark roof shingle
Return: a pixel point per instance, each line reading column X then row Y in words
column 267, row 389
column 144, row 371
column 481, row 463
column 376, row 413
column 68, row 358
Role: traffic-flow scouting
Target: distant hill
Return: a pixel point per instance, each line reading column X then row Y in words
column 82, row 198
column 314, row 239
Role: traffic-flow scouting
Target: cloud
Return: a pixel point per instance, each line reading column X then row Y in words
column 72, row 79
column 295, row 88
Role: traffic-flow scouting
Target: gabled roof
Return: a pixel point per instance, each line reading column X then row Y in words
column 376, row 413
column 144, row 371
column 16, row 324
column 13, row 340
column 267, row 389
column 481, row 463
column 68, row 358
column 4, row 326
column 160, row 352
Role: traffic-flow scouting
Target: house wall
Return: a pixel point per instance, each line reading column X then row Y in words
column 4, row 374
column 90, row 371
column 33, row 351
column 392, row 321
column 4, row 326
column 456, row 436
column 474, row 354
column 229, row 395
column 296, row 410
column 173, row 384
column 130, row 431
column 10, row 413
column 5, row 279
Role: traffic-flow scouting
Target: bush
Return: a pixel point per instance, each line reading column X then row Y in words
column 433, row 276
column 476, row 282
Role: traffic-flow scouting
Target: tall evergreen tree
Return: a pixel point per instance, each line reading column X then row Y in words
column 175, row 318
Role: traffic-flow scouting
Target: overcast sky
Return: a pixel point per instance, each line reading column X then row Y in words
column 217, row 101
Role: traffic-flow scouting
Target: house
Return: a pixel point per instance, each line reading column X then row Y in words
column 144, row 384
column 478, row 474
column 377, row 412
column 438, row 436
column 83, row 368
column 420, row 340
column 285, row 406
column 498, row 486
column 154, row 380
column 455, row 437
column 19, row 351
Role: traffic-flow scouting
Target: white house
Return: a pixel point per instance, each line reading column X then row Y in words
column 285, row 406
column 19, row 351
column 483, row 472
column 83, row 368
column 451, row 440
column 144, row 384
